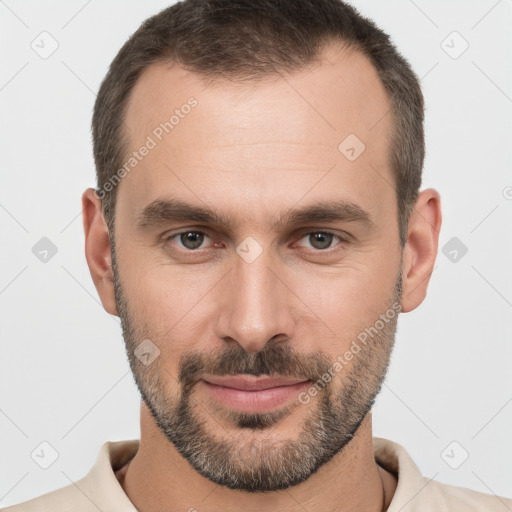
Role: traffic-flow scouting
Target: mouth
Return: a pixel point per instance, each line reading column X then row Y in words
column 251, row 394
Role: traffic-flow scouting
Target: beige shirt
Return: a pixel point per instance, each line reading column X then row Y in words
column 100, row 489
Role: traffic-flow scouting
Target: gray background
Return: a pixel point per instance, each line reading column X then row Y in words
column 64, row 375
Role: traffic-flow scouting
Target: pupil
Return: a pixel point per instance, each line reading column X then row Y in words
column 192, row 239
column 321, row 240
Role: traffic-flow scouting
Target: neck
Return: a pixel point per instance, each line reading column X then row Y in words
column 159, row 478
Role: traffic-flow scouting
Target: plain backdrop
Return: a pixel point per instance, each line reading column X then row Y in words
column 64, row 375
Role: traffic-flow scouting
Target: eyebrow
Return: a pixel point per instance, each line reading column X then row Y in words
column 164, row 211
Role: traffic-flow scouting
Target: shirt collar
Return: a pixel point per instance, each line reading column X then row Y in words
column 101, row 481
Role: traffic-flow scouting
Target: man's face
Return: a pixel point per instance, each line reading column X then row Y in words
column 259, row 291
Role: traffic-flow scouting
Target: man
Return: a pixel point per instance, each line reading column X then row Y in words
column 258, row 226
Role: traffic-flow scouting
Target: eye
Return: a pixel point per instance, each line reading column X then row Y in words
column 321, row 240
column 189, row 239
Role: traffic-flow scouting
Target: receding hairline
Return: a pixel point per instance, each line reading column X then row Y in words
column 331, row 46
column 247, row 38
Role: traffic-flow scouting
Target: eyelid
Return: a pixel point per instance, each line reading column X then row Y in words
column 168, row 237
column 343, row 238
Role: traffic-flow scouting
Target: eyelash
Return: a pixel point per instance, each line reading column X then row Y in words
column 342, row 240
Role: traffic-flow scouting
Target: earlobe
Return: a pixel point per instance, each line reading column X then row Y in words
column 420, row 250
column 97, row 250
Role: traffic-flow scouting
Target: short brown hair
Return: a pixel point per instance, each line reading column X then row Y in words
column 248, row 40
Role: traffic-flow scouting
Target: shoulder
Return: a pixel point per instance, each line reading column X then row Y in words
column 56, row 501
column 450, row 497
column 417, row 493
column 99, row 489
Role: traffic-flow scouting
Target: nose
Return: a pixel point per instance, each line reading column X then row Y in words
column 254, row 305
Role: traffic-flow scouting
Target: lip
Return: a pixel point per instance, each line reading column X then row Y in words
column 253, row 394
column 250, row 382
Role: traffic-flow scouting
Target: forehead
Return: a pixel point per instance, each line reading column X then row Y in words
column 232, row 136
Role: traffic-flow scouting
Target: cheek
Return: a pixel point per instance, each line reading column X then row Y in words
column 171, row 304
column 349, row 299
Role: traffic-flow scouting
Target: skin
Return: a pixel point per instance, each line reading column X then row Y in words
column 254, row 151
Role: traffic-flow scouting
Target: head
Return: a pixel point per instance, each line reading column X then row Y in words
column 258, row 213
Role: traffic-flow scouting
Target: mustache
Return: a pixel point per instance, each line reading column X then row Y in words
column 272, row 360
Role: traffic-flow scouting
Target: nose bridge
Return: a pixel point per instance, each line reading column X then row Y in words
column 253, row 309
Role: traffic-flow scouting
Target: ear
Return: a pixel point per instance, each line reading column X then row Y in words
column 420, row 250
column 97, row 250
